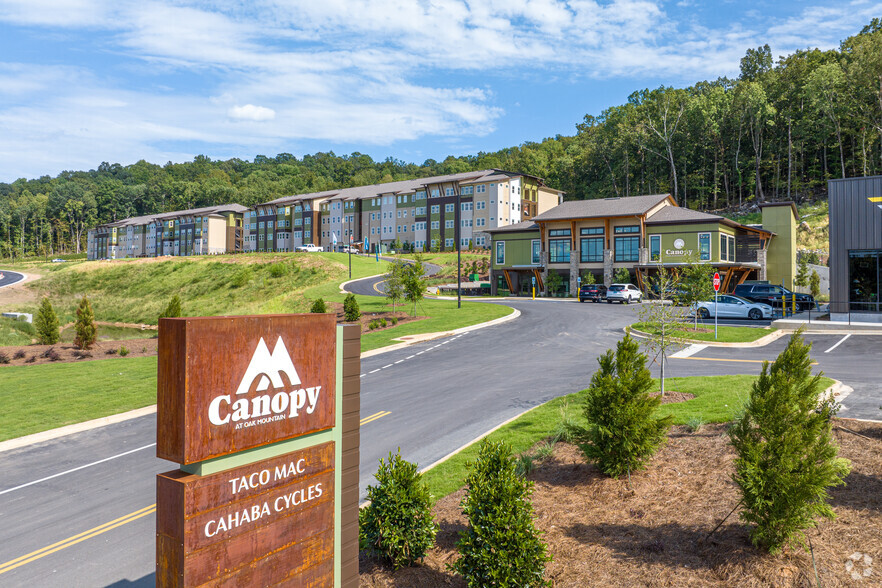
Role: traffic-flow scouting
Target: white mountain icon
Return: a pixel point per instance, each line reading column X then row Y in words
column 269, row 367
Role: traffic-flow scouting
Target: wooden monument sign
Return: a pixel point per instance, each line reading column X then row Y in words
column 261, row 413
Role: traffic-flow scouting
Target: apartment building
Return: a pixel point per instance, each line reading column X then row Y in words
column 210, row 230
column 639, row 233
column 426, row 213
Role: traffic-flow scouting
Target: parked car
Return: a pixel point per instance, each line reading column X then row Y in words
column 729, row 306
column 624, row 293
column 592, row 292
column 309, row 247
column 772, row 295
column 58, row 260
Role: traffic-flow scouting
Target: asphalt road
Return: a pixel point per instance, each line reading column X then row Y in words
column 9, row 278
column 94, row 526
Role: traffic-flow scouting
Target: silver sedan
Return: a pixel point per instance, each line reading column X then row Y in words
column 728, row 306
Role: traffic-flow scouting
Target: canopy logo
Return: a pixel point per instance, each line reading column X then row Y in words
column 267, row 370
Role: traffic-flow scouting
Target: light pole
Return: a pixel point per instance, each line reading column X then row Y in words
column 349, row 221
column 458, row 217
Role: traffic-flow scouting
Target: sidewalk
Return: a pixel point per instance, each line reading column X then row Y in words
column 831, row 327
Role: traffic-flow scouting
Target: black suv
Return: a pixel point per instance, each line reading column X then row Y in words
column 592, row 292
column 772, row 295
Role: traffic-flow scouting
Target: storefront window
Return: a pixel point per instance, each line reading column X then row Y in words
column 864, row 280
column 627, row 248
column 536, row 244
column 655, row 247
column 591, row 250
column 704, row 246
column 559, row 251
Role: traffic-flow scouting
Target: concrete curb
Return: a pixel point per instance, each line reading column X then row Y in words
column 409, row 340
column 761, row 342
column 75, row 428
column 343, row 289
column 829, row 327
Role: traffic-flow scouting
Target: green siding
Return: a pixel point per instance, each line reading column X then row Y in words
column 781, row 260
column 518, row 248
column 689, row 234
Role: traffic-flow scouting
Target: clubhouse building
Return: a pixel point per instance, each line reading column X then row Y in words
column 638, row 234
column 420, row 214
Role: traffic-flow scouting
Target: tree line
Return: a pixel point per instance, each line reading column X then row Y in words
column 779, row 130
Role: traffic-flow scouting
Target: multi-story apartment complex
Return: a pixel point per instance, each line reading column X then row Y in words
column 422, row 213
column 200, row 231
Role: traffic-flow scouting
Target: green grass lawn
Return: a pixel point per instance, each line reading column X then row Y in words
column 16, row 332
column 42, row 397
column 718, row 399
column 706, row 333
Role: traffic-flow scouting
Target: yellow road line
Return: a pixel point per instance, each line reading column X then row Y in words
column 377, row 290
column 735, row 360
column 70, row 541
column 65, row 543
column 374, row 417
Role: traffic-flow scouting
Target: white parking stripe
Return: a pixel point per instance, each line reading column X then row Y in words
column 374, row 371
column 838, row 343
column 410, row 357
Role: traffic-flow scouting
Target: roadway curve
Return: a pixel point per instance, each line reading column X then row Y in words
column 8, row 278
column 374, row 286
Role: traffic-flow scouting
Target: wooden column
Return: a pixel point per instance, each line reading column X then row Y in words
column 349, row 481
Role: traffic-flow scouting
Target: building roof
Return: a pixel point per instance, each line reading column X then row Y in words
column 522, row 226
column 602, row 207
column 677, row 214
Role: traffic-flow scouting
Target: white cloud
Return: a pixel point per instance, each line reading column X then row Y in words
column 365, row 71
column 251, row 112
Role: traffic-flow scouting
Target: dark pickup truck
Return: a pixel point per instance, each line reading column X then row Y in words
column 773, row 296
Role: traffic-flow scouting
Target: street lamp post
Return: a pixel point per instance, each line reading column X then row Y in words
column 349, row 221
column 458, row 249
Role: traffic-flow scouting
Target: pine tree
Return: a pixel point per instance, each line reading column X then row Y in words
column 350, row 308
column 173, row 310
column 786, row 454
column 815, row 284
column 319, row 306
column 802, row 275
column 622, row 433
column 501, row 546
column 85, row 325
column 46, row 323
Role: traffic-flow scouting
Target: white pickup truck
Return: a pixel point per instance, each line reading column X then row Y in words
column 309, row 247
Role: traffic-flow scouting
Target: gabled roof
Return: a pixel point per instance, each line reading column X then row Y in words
column 676, row 214
column 602, row 207
column 522, row 226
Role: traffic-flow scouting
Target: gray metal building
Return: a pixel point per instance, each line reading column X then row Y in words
column 856, row 249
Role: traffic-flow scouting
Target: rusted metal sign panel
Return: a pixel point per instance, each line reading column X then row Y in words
column 269, row 522
column 226, row 384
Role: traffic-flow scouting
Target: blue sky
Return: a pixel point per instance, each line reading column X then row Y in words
column 86, row 81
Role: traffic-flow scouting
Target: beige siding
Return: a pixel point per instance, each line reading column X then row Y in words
column 217, row 235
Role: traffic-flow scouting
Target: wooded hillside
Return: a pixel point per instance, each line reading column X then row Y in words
column 780, row 130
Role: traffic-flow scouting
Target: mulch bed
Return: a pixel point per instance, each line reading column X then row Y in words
column 602, row 532
column 672, row 396
column 366, row 318
column 67, row 352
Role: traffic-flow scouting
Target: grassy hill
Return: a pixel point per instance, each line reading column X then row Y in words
column 813, row 232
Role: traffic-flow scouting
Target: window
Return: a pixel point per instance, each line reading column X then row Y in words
column 480, row 205
column 704, row 246
column 399, row 228
column 559, row 233
column 449, row 208
column 536, row 246
column 466, row 206
column 435, row 193
column 399, row 214
column 404, row 214
column 448, row 242
column 627, row 248
column 591, row 249
column 731, row 241
column 864, row 280
column 436, row 224
column 559, row 250
column 436, row 209
column 448, row 192
column 480, row 222
column 481, row 189
column 467, row 190
column 628, row 229
column 419, row 211
column 654, row 247
column 448, row 224
column 500, row 251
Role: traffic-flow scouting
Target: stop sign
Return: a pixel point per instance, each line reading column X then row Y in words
column 716, row 281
